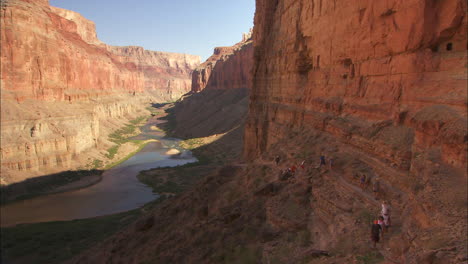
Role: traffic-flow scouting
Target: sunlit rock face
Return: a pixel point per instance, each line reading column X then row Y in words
column 59, row 83
column 332, row 65
column 227, row 68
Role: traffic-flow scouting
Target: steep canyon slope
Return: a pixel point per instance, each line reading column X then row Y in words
column 63, row 90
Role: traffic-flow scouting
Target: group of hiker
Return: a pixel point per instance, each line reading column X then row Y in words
column 381, row 225
column 291, row 171
column 364, row 182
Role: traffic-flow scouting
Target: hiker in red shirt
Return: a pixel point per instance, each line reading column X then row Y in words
column 293, row 169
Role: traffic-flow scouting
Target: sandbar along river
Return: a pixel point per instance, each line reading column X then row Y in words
column 118, row 191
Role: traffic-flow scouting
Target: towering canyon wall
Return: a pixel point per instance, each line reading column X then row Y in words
column 399, row 62
column 63, row 90
column 227, row 68
column 382, row 83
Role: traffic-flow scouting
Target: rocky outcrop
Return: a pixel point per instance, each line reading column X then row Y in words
column 60, row 85
column 85, row 28
column 227, row 68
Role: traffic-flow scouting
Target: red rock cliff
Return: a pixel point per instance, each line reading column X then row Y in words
column 63, row 91
column 402, row 62
column 227, row 68
column 50, row 53
column 165, row 74
column 382, row 83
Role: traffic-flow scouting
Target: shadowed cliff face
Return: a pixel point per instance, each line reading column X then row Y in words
column 63, row 90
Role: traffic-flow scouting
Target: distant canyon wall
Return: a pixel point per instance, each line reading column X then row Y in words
column 227, row 68
column 53, row 54
column 63, row 90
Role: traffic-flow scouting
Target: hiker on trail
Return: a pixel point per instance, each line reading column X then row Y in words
column 386, row 214
column 382, row 224
column 277, row 160
column 302, row 164
column 363, row 181
column 376, row 231
column 286, row 174
column 293, row 169
column 376, row 188
column 330, row 163
column 322, row 161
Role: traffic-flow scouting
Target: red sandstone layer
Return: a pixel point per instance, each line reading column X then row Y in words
column 401, row 62
column 381, row 84
column 227, row 68
column 63, row 90
column 53, row 54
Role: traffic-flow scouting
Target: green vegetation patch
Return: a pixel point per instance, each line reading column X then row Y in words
column 112, row 151
column 141, row 144
column 154, row 111
column 54, row 242
column 121, row 136
column 97, row 164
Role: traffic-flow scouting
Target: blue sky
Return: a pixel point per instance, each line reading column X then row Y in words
column 184, row 26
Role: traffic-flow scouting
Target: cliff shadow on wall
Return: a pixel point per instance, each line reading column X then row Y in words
column 208, row 112
column 47, row 184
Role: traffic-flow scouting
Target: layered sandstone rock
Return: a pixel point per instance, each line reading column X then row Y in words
column 60, row 85
column 386, row 82
column 227, row 68
column 54, row 54
column 165, row 74
column 401, row 62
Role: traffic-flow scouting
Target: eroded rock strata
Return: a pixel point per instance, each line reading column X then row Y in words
column 228, row 68
column 384, row 83
column 63, row 90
